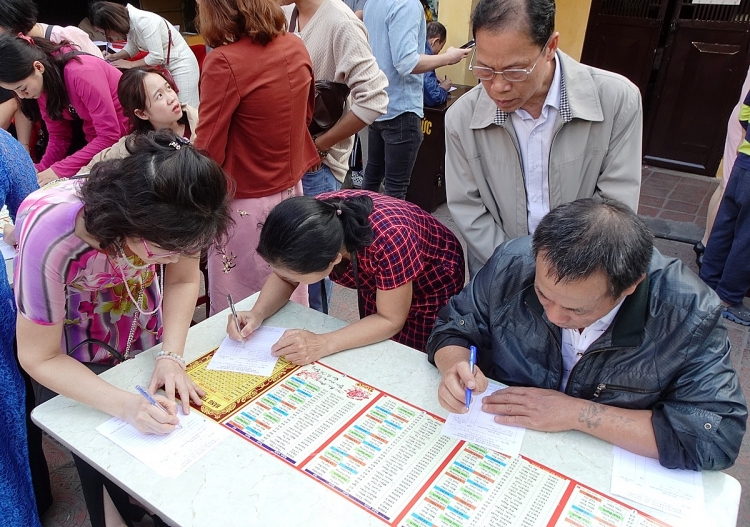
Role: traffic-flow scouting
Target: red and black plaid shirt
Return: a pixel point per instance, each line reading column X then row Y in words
column 409, row 245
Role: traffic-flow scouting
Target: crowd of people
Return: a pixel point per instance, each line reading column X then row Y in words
column 152, row 164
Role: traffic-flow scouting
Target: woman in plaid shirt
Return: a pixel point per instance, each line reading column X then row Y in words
column 407, row 264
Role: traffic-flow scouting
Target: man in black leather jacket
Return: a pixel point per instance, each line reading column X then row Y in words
column 594, row 330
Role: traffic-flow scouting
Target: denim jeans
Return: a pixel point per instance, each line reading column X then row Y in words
column 726, row 264
column 314, row 183
column 392, row 150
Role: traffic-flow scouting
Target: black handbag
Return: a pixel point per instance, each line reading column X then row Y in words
column 330, row 97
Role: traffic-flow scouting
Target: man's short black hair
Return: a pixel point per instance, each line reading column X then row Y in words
column 535, row 17
column 436, row 29
column 586, row 236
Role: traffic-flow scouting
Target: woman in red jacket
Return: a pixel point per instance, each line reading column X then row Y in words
column 257, row 98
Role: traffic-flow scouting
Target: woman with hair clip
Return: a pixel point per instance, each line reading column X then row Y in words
column 68, row 85
column 154, row 34
column 150, row 103
column 404, row 264
column 88, row 293
column 257, row 100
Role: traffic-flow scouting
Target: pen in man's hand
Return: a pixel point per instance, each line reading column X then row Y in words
column 472, row 363
column 154, row 402
column 234, row 315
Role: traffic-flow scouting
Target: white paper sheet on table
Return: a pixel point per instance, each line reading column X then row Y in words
column 451, row 88
column 679, row 493
column 168, row 455
column 8, row 251
column 479, row 427
column 252, row 356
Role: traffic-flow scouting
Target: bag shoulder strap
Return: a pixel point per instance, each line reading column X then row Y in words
column 169, row 44
column 293, row 20
column 48, row 31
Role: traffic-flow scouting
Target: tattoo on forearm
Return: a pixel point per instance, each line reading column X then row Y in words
column 591, row 415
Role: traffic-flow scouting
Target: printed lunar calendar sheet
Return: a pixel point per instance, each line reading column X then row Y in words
column 484, row 488
column 383, row 458
column 390, row 457
column 226, row 391
column 296, row 416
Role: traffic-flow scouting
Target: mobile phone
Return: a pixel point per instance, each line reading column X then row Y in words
column 470, row 44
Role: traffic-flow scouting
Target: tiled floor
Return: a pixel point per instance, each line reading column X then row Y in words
column 674, row 206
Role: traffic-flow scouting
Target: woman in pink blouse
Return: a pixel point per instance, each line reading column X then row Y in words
column 68, row 85
column 89, row 295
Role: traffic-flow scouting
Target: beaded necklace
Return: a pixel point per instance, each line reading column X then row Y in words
column 137, row 302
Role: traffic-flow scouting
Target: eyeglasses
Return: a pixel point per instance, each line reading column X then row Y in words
column 511, row 75
column 152, row 256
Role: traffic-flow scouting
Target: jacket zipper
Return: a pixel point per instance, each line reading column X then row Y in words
column 559, row 347
column 602, row 386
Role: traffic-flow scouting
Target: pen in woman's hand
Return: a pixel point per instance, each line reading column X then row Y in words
column 234, row 315
column 154, row 402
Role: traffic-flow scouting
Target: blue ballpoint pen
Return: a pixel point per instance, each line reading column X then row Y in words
column 472, row 363
column 153, row 401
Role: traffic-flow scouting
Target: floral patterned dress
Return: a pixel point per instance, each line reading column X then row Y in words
column 61, row 279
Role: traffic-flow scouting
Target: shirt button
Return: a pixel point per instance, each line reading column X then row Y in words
column 461, row 322
column 707, row 426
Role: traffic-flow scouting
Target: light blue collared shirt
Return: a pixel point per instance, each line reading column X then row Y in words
column 535, row 141
column 398, row 31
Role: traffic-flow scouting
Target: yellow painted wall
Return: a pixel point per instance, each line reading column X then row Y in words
column 454, row 15
column 571, row 20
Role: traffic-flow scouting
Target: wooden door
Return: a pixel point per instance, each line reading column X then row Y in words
column 698, row 84
column 689, row 60
column 623, row 35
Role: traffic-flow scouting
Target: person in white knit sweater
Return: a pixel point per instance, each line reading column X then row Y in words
column 337, row 42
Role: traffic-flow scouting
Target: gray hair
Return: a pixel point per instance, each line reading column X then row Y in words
column 535, row 17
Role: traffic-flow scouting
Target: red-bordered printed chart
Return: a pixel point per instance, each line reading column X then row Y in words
column 390, row 458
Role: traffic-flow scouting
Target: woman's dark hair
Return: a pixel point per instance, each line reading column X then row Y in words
column 304, row 234
column 436, row 29
column 535, row 17
column 17, row 57
column 110, row 17
column 131, row 92
column 586, row 236
column 165, row 192
column 18, row 16
column 223, row 21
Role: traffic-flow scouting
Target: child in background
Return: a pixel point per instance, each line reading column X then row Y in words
column 435, row 90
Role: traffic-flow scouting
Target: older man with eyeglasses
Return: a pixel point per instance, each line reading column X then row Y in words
column 540, row 130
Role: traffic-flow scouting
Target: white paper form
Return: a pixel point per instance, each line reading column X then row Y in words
column 252, row 356
column 480, row 428
column 676, row 492
column 8, row 251
column 168, row 455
